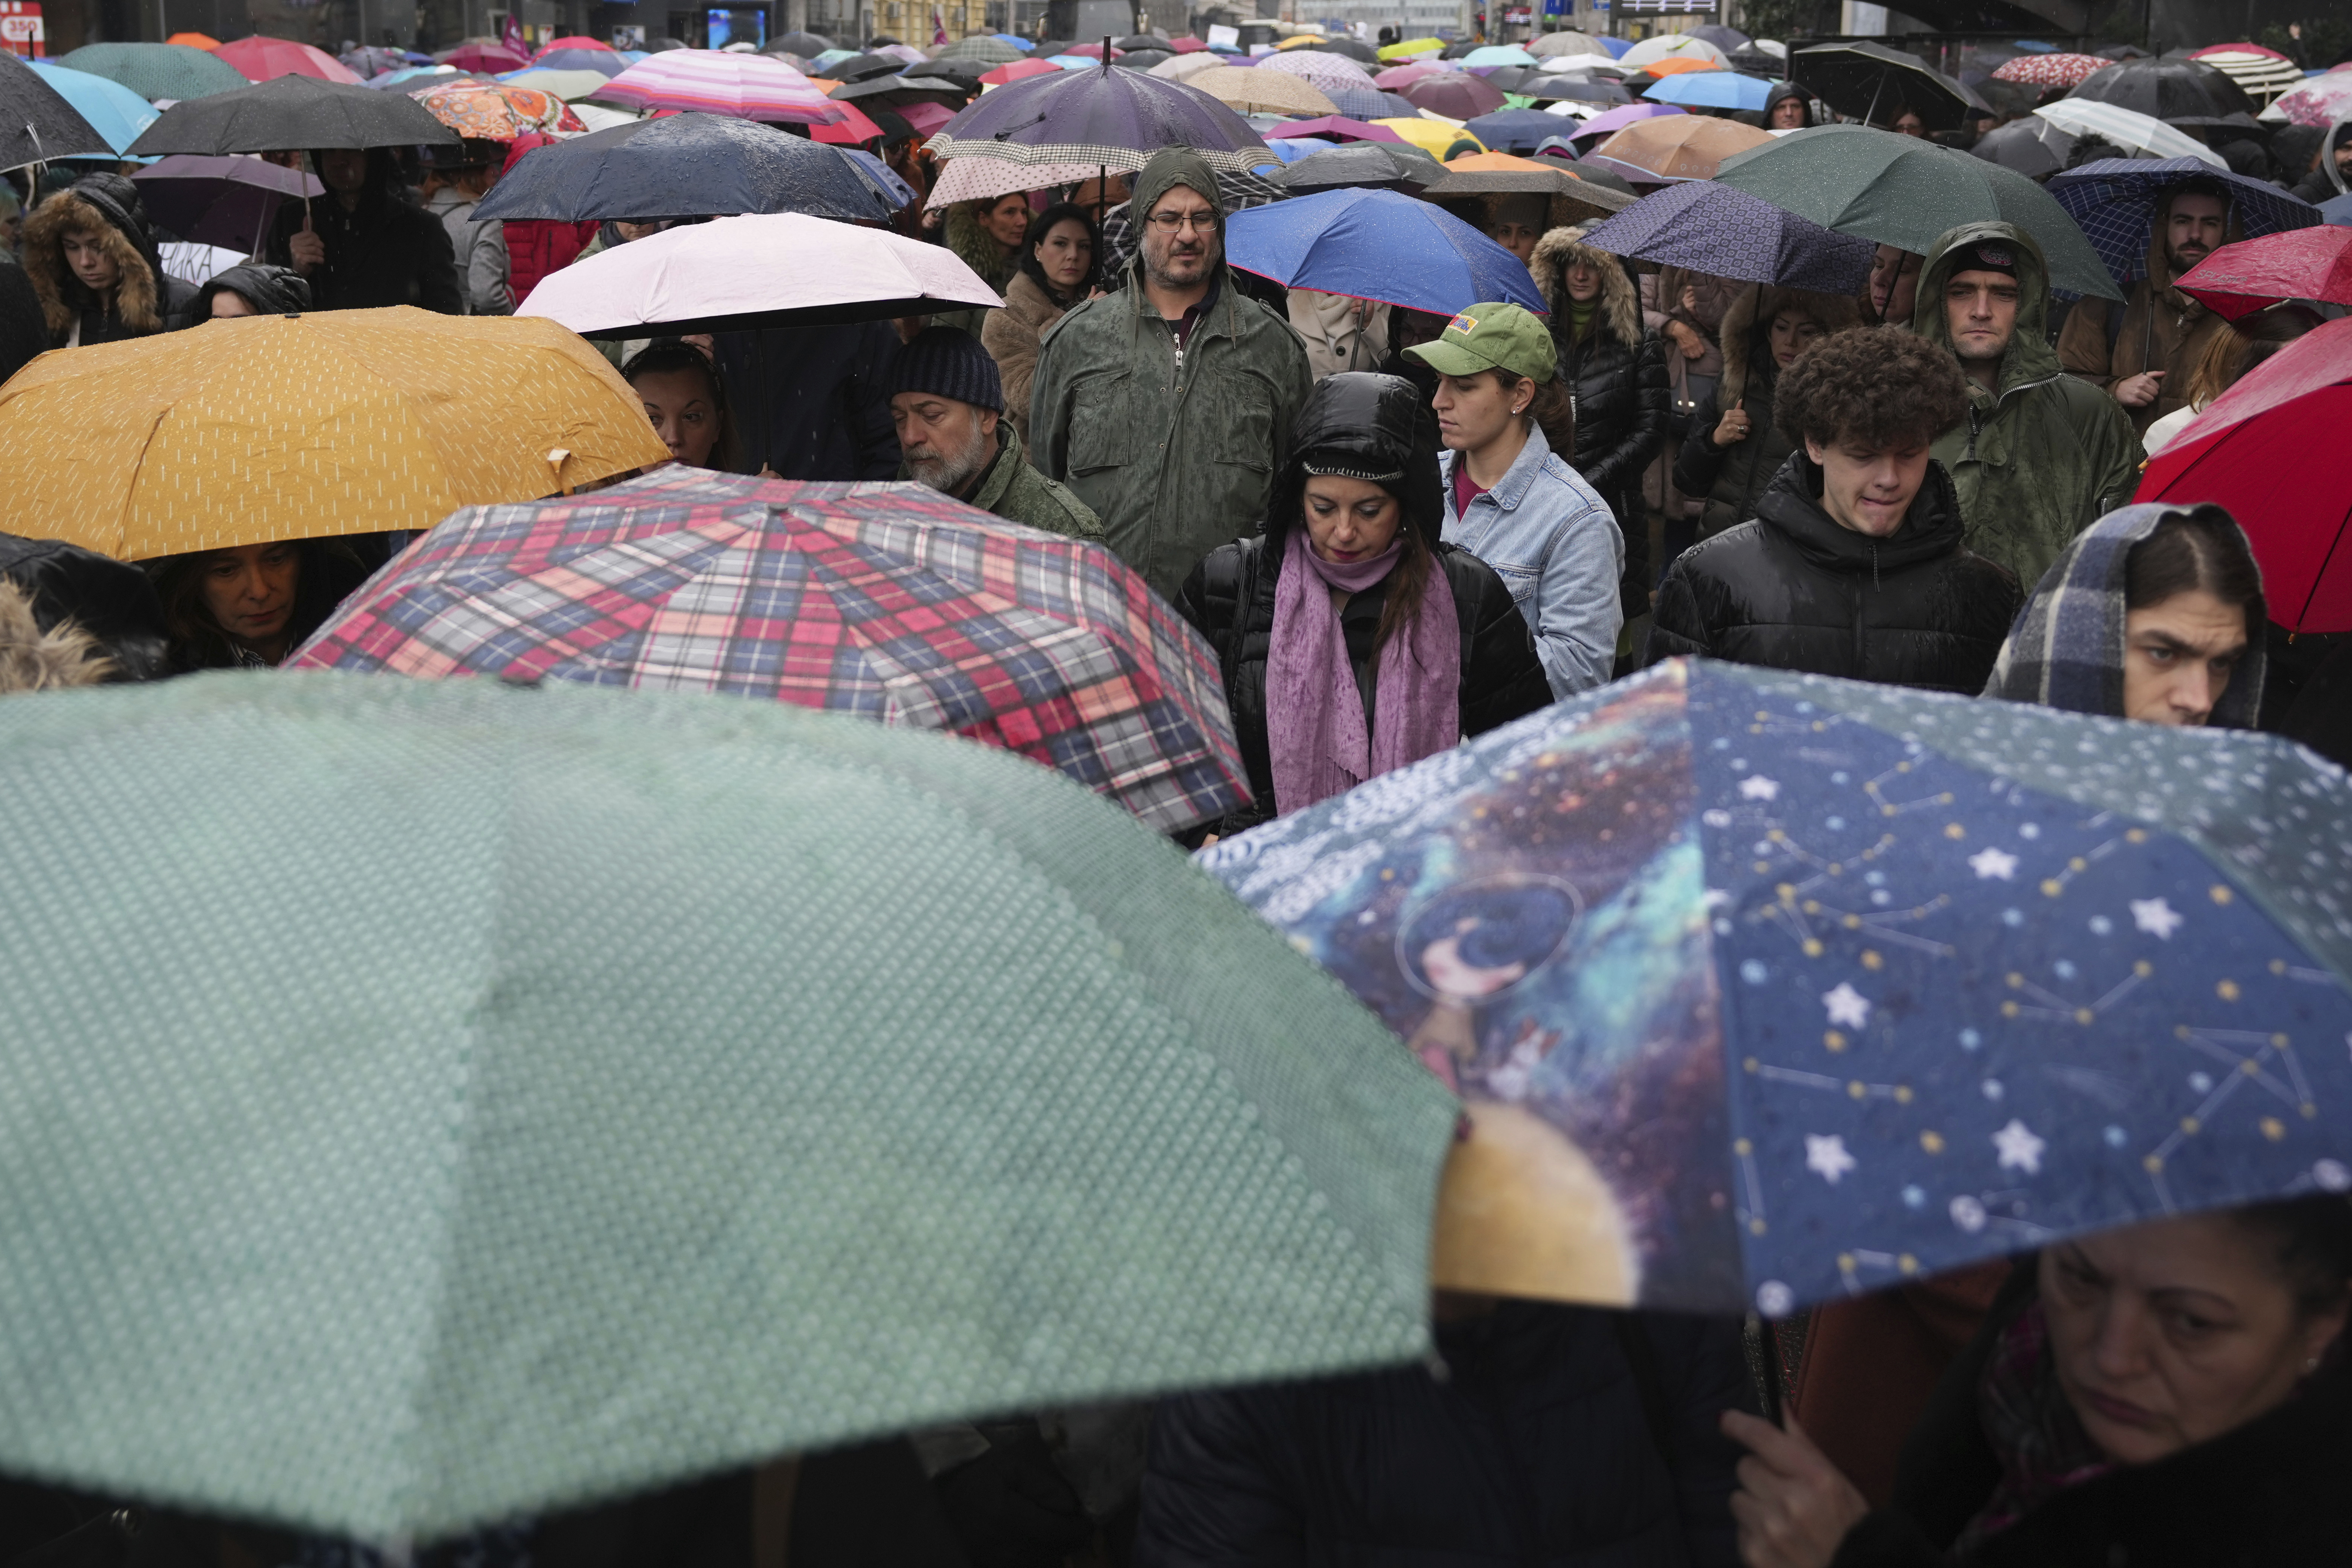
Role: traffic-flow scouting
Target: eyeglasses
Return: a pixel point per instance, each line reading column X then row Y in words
column 1205, row 221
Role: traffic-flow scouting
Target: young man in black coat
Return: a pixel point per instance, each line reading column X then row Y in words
column 363, row 243
column 1853, row 564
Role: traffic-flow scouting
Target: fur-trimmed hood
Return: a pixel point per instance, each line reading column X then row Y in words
column 1745, row 324
column 1621, row 303
column 109, row 206
column 34, row 659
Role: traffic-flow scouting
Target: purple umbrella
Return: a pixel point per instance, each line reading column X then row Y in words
column 1728, row 233
column 1609, row 122
column 227, row 201
column 1457, row 95
column 1110, row 118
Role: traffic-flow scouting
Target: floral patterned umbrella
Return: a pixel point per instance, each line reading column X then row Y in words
column 2049, row 70
column 2322, row 101
column 497, row 112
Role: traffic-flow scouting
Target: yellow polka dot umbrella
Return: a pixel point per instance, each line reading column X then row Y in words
column 271, row 427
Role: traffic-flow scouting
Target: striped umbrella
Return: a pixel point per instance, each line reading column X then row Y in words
column 748, row 87
column 2263, row 73
column 2127, row 129
column 2058, row 70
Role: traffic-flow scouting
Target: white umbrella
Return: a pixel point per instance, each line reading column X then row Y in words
column 1176, row 68
column 1673, row 47
column 2127, row 129
column 2263, row 76
column 982, row 179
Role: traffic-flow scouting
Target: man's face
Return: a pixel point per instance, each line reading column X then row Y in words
column 1869, row 489
column 1788, row 114
column 343, row 169
column 946, row 442
column 2193, row 230
column 1980, row 308
column 2178, row 656
column 1180, row 239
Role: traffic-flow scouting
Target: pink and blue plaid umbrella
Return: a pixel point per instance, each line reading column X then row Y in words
column 889, row 601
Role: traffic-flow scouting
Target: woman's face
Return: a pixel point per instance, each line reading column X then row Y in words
column 1788, row 114
column 1474, row 411
column 1006, row 220
column 1908, row 124
column 1894, row 283
column 1582, row 281
column 250, row 590
column 2173, row 1332
column 228, row 302
column 683, row 412
column 1066, row 254
column 1518, row 238
column 1793, row 332
column 1349, row 520
column 86, row 255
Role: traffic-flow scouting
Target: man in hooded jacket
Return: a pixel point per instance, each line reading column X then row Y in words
column 142, row 300
column 1167, row 405
column 2040, row 455
column 2144, row 358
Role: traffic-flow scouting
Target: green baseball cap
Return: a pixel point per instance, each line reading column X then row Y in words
column 1495, row 336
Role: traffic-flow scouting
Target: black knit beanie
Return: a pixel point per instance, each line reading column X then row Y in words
column 947, row 362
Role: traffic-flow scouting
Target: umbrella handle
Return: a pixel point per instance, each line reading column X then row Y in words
column 556, row 458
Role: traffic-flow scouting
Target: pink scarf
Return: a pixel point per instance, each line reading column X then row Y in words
column 1314, row 714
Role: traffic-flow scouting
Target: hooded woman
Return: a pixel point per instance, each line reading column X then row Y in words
column 94, row 259
column 1059, row 261
column 985, row 236
column 1352, row 639
column 247, row 607
column 1734, row 446
column 253, row 288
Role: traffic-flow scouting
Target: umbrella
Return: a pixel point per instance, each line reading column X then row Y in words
column 1567, row 45
column 1558, row 89
column 1715, row 229
column 1858, row 984
column 2177, row 91
column 862, row 67
column 984, row 179
column 1756, row 59
column 2338, row 209
column 1017, row 70
column 220, row 201
column 749, row 87
column 2127, row 129
column 204, row 41
column 1457, row 95
column 173, row 72
column 257, row 58
column 1090, row 51
column 607, row 63
column 1112, row 118
column 2252, row 275
column 1609, row 122
column 2259, row 72
column 906, row 607
column 112, row 110
column 683, row 165
column 1494, row 55
column 2252, row 450
column 302, row 427
column 1710, row 89
column 2113, row 200
column 1867, row 80
column 1515, row 128
column 981, row 48
column 653, row 1084
column 1368, row 103
column 2032, row 146
column 36, row 122
column 1377, row 245
column 497, row 111
column 1573, row 199
column 852, row 128
column 482, row 54
column 1262, row 91
column 925, row 117
column 573, row 41
column 808, row 46
column 1396, row 78
column 2058, row 70
column 1433, row 137
column 1326, row 71
column 1669, row 47
column 888, row 91
column 1658, row 70
column 1144, row 60
column 1348, row 48
column 566, row 85
column 1180, row 67
column 1408, row 48
column 1904, row 192
column 739, row 274
column 1727, row 39
column 2323, row 100
column 364, row 63
column 292, row 111
column 1676, row 147
column 1370, row 164
column 1129, row 43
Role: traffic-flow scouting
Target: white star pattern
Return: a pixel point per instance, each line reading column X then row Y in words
column 2020, row 1149
column 1848, row 1008
column 1756, row 786
column 2156, row 917
column 1828, row 1156
column 1989, row 862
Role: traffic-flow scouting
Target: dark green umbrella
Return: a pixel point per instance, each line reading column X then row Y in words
column 424, row 1102
column 1902, row 191
column 158, row 70
column 292, row 111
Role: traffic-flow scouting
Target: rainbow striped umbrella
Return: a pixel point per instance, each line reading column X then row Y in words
column 748, row 87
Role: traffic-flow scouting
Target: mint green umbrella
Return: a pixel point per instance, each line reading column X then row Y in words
column 423, row 1103
column 158, row 70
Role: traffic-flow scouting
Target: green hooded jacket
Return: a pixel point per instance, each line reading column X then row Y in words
column 1173, row 456
column 1018, row 494
column 2048, row 455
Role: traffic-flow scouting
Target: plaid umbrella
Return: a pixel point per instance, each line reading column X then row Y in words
column 1728, row 233
column 497, row 112
column 980, row 47
column 2113, row 200
column 749, row 87
column 2049, row 70
column 894, row 603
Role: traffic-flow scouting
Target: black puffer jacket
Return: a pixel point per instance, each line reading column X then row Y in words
column 385, row 251
column 1381, row 423
column 146, row 299
column 1791, row 589
column 1543, row 1445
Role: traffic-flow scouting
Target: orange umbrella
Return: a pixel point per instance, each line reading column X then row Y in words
column 1502, row 164
column 497, row 111
column 1677, row 146
column 194, row 40
column 1674, row 65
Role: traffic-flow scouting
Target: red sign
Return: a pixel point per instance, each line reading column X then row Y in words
column 20, row 28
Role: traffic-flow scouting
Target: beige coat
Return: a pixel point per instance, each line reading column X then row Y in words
column 1341, row 333
column 1011, row 337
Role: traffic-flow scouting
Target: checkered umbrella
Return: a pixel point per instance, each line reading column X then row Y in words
column 889, row 601
column 2113, row 200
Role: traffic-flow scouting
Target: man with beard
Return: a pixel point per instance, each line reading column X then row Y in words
column 947, row 403
column 1167, row 405
column 2144, row 357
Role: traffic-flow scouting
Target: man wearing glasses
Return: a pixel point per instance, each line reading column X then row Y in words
column 1166, row 406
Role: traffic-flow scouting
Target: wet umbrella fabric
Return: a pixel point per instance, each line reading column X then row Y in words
column 112, row 110
column 750, row 87
column 1711, row 89
column 1610, row 121
column 2322, row 101
column 36, row 123
column 2032, row 146
column 2058, row 70
column 1865, row 80
column 985, row 49
column 808, row 46
column 1676, row 147
column 894, row 603
column 482, row 54
column 607, row 63
column 2252, row 275
column 1513, row 130
column 1860, row 985
column 292, row 111
column 2113, row 200
column 1571, row 199
column 654, row 1084
column 2127, row 129
column 154, row 71
column 1564, row 89
column 1728, row 233
column 1107, row 117
column 1392, row 165
column 1377, row 245
column 259, row 59
column 683, row 165
column 497, row 111
column 1457, row 95
column 227, row 201
column 2177, row 91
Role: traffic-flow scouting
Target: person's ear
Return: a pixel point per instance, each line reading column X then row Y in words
column 988, row 417
column 1815, row 450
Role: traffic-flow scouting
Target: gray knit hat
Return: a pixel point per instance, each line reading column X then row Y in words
column 947, row 363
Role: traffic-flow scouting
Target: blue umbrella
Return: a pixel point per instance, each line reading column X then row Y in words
column 1377, row 245
column 113, row 110
column 1495, row 55
column 686, row 165
column 899, row 191
column 1728, row 233
column 1616, row 46
column 1290, row 149
column 1024, row 45
column 1710, row 89
column 604, row 62
column 2338, row 209
column 2114, row 201
column 1807, row 986
column 1516, row 130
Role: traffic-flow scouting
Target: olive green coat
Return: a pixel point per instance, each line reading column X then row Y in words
column 2047, row 455
column 1174, row 457
column 1018, row 494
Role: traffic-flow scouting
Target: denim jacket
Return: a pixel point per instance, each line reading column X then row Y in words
column 1555, row 544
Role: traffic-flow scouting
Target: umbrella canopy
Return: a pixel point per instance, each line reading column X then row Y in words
column 2113, row 200
column 220, row 201
column 1867, row 81
column 1368, row 103
column 1260, row 91
column 1339, row 128
column 808, row 46
column 1348, row 48
column 1016, row 71
column 2032, row 146
column 112, row 110
column 2253, row 451
column 984, row 179
column 1180, row 66
column 683, row 165
column 1409, row 48
column 1727, row 233
column 864, row 68
column 1567, row 45
column 1671, row 46
column 1456, row 94
column 1377, row 245
column 2058, row 70
column 1518, row 130
column 1904, row 192
column 654, row 1084
column 1677, row 146
column 981, row 48
column 1110, row 118
column 292, row 111
column 1710, row 89
column 258, row 58
column 1494, row 55
column 36, row 122
column 2127, row 129
column 937, row 615
column 1571, row 198
column 482, row 54
column 1608, row 122
column 2323, row 100
column 497, row 111
column 2261, row 74
column 173, row 72
column 605, row 63
column 742, row 273
column 1729, row 39
column 749, row 87
column 568, row 86
column 364, row 63
column 2252, row 275
column 573, row 41
column 204, row 41
column 1326, row 71
column 2177, row 91
column 1432, row 136
column 1658, row 70
column 1561, row 88
column 851, row 129
column 1708, row 1066
column 1390, row 165
column 1396, row 78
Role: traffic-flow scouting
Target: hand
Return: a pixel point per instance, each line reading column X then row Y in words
column 1687, row 337
column 703, row 341
column 1792, row 1506
column 1733, row 427
column 308, row 251
column 1690, row 298
column 2139, row 391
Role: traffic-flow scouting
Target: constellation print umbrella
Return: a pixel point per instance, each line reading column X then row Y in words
column 1727, row 233
column 1761, row 989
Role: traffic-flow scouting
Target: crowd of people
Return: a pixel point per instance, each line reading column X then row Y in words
column 1395, row 530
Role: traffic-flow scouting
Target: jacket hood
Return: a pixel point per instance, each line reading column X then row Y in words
column 2065, row 649
column 1787, row 89
column 1171, row 167
column 975, row 247
column 107, row 205
column 271, row 290
column 1371, row 422
column 66, row 586
column 1791, row 505
column 1621, row 305
column 1748, row 326
column 35, row 657
column 2030, row 358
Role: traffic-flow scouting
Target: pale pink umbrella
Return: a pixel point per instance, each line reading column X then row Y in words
column 980, row 179
column 1325, row 70
column 1396, row 78
column 747, row 87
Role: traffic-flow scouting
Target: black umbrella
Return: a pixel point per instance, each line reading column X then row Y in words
column 889, row 89
column 1140, row 41
column 663, row 46
column 2178, row 93
column 864, row 68
column 1556, row 89
column 808, row 46
column 1458, row 48
column 2122, row 52
column 1866, row 79
column 963, row 73
column 1753, row 61
column 686, row 165
column 1143, row 60
column 1366, row 165
column 1044, row 51
column 1722, row 38
column 291, row 111
column 36, row 121
column 2032, row 146
column 1364, row 53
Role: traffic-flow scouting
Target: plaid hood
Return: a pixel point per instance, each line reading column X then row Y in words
column 2031, row 358
column 2065, row 648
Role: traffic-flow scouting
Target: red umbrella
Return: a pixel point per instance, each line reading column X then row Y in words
column 477, row 55
column 571, row 41
column 1092, row 51
column 257, row 58
column 1457, row 95
column 852, row 128
column 2260, row 451
column 1017, row 70
column 2255, row 274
